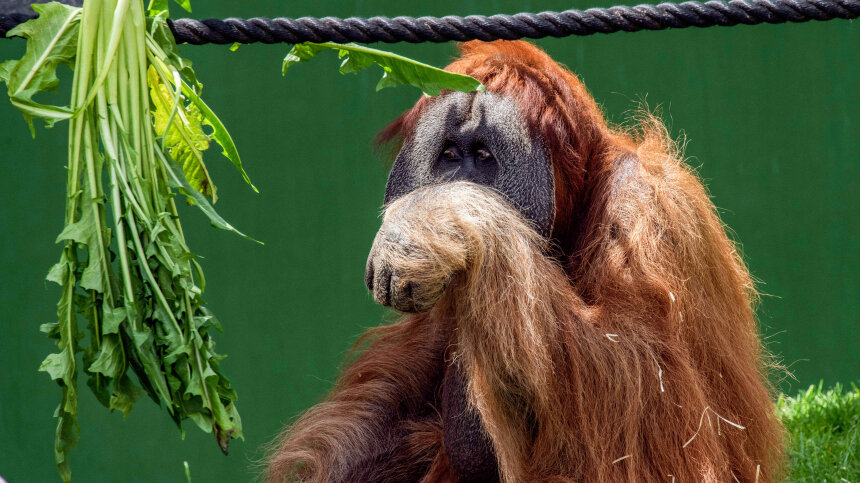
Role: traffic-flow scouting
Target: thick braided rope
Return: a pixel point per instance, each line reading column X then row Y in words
column 510, row 27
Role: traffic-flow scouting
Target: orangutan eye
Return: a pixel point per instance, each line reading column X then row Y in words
column 483, row 154
column 451, row 153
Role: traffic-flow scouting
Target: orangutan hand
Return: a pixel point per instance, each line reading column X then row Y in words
column 400, row 275
column 419, row 248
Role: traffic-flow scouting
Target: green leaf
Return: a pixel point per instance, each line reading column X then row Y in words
column 52, row 329
column 186, row 4
column 167, row 51
column 168, row 335
column 301, row 53
column 143, row 341
column 85, row 231
column 33, row 110
column 110, row 361
column 219, row 133
column 87, row 306
column 156, row 7
column 59, row 365
column 51, row 41
column 99, row 385
column 125, row 395
column 160, row 7
column 181, row 127
column 58, row 273
column 195, row 388
column 398, row 70
column 202, row 420
column 112, row 318
column 180, row 182
column 81, row 231
column 67, row 435
column 93, row 276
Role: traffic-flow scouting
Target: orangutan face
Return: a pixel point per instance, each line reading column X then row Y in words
column 478, row 138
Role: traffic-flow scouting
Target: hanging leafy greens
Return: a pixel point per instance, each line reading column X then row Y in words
column 136, row 138
column 397, row 70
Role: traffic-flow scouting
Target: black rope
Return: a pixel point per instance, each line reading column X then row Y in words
column 510, row 27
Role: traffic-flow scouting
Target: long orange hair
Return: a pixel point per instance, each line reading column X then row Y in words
column 629, row 353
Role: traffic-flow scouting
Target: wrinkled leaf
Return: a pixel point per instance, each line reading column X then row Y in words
column 51, row 41
column 58, row 273
column 398, row 70
column 86, row 232
column 124, row 396
column 182, row 129
column 67, row 435
column 112, row 318
column 110, row 361
column 58, row 365
column 61, row 366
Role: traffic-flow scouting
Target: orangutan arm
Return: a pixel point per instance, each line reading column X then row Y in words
column 380, row 422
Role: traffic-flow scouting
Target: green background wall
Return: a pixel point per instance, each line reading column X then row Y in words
column 772, row 115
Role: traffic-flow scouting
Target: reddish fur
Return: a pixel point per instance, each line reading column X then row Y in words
column 393, row 379
column 629, row 244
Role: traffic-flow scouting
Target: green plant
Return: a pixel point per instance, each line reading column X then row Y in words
column 397, row 70
column 824, row 431
column 136, row 138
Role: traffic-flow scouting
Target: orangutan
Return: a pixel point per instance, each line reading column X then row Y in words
column 574, row 310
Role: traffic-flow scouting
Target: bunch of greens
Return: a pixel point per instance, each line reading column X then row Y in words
column 136, row 138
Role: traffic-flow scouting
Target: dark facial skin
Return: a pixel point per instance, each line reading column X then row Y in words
column 476, row 137
column 480, row 138
column 472, row 162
